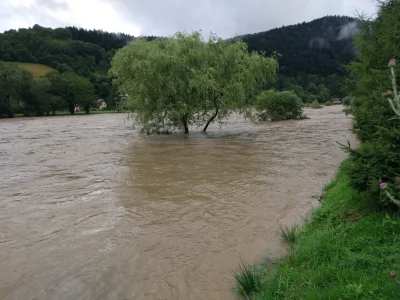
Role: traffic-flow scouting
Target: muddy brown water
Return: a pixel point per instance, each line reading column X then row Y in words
column 91, row 210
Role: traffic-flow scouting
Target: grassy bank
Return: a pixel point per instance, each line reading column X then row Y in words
column 346, row 250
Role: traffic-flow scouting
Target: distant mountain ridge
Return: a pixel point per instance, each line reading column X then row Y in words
column 318, row 47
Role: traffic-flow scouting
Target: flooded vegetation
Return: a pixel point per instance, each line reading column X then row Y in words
column 92, row 210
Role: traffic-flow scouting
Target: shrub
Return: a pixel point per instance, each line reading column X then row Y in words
column 375, row 162
column 276, row 106
column 315, row 105
column 248, row 280
column 347, row 101
column 291, row 235
column 328, row 103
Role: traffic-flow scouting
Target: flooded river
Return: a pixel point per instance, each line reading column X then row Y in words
column 91, row 210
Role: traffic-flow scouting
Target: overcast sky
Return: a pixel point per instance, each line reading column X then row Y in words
column 164, row 17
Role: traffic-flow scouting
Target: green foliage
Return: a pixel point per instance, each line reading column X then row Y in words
column 328, row 103
column 369, row 76
column 346, row 251
column 315, row 105
column 19, row 93
column 347, row 101
column 186, row 80
column 81, row 91
column 368, row 86
column 85, row 52
column 315, row 47
column 375, row 162
column 310, row 54
column 248, row 280
column 15, row 85
column 88, row 53
column 291, row 235
column 38, row 70
column 276, row 106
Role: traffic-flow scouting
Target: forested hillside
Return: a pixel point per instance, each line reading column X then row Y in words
column 311, row 53
column 310, row 57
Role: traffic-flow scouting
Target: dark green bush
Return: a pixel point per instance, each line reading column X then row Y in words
column 375, row 162
column 347, row 101
column 276, row 106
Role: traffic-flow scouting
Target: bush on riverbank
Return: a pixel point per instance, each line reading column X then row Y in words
column 276, row 106
column 347, row 250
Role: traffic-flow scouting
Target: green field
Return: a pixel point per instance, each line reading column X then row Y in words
column 38, row 70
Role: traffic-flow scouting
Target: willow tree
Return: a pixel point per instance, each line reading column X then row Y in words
column 186, row 80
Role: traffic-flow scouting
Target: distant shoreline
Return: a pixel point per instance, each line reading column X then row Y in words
column 63, row 114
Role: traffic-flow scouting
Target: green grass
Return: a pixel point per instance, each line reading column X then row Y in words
column 248, row 279
column 346, row 250
column 291, row 235
column 38, row 70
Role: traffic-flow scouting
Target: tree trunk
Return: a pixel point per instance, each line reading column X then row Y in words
column 212, row 118
column 87, row 109
column 185, row 123
column 71, row 108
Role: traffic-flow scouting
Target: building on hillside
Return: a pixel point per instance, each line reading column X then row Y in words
column 78, row 107
column 336, row 100
column 101, row 104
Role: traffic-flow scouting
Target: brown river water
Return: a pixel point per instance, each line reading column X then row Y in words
column 91, row 210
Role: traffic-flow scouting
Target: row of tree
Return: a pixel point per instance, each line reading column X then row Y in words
column 20, row 93
column 84, row 52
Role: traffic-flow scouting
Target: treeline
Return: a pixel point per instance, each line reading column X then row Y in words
column 20, row 93
column 57, row 49
column 87, row 53
column 311, row 55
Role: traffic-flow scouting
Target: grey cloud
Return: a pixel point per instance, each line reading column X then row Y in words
column 38, row 12
column 52, row 4
column 228, row 17
column 164, row 17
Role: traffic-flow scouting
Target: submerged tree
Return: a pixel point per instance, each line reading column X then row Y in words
column 186, row 80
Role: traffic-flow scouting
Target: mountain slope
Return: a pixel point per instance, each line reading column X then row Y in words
column 318, row 47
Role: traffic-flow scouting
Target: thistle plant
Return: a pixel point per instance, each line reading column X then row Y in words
column 395, row 105
column 395, row 102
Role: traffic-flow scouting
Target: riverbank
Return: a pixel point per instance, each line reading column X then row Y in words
column 346, row 250
column 66, row 113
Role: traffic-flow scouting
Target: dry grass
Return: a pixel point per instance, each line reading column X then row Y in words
column 38, row 70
